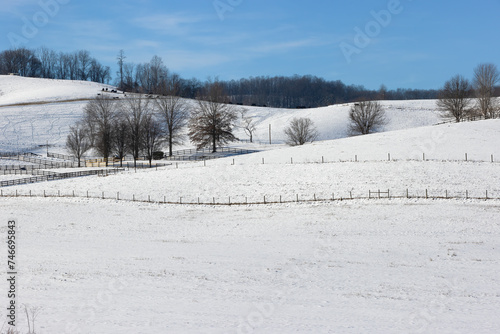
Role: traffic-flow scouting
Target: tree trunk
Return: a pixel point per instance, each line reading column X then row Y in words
column 170, row 145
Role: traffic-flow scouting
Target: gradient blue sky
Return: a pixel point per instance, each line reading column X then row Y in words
column 421, row 45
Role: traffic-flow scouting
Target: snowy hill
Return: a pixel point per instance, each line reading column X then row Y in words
column 15, row 90
column 27, row 126
column 360, row 266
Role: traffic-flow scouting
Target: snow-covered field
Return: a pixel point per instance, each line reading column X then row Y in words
column 360, row 266
column 29, row 126
column 347, row 267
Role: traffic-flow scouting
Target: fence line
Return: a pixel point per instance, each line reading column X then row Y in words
column 198, row 154
column 265, row 200
column 466, row 119
column 62, row 157
column 389, row 157
column 57, row 176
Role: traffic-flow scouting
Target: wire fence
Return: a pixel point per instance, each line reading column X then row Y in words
column 264, row 200
column 467, row 119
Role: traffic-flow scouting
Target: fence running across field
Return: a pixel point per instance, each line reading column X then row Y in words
column 265, row 200
column 207, row 154
column 57, row 176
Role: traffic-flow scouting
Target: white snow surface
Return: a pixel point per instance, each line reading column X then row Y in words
column 29, row 126
column 399, row 266
column 357, row 266
column 15, row 90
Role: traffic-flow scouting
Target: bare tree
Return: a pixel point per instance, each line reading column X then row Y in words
column 78, row 141
column 121, row 62
column 153, row 136
column 212, row 121
column 248, row 124
column 173, row 113
column 454, row 98
column 486, row 76
column 300, row 131
column 364, row 116
column 121, row 136
column 135, row 112
column 84, row 60
column 100, row 115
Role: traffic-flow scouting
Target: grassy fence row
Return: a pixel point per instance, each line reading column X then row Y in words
column 265, row 200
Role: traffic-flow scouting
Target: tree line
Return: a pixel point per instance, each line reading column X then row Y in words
column 151, row 77
column 49, row 64
column 461, row 98
column 140, row 125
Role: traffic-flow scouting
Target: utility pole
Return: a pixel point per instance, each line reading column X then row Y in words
column 270, row 134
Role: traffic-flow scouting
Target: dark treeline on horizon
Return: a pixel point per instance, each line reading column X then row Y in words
column 49, row 64
column 296, row 91
column 311, row 91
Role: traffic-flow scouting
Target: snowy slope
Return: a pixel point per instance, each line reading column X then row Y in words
column 295, row 171
column 362, row 266
column 26, row 127
column 14, row 90
column 347, row 267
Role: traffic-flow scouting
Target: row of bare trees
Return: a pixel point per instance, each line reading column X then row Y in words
column 138, row 126
column 49, row 64
column 459, row 98
column 141, row 125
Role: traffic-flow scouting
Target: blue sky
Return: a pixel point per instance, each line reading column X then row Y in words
column 402, row 44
